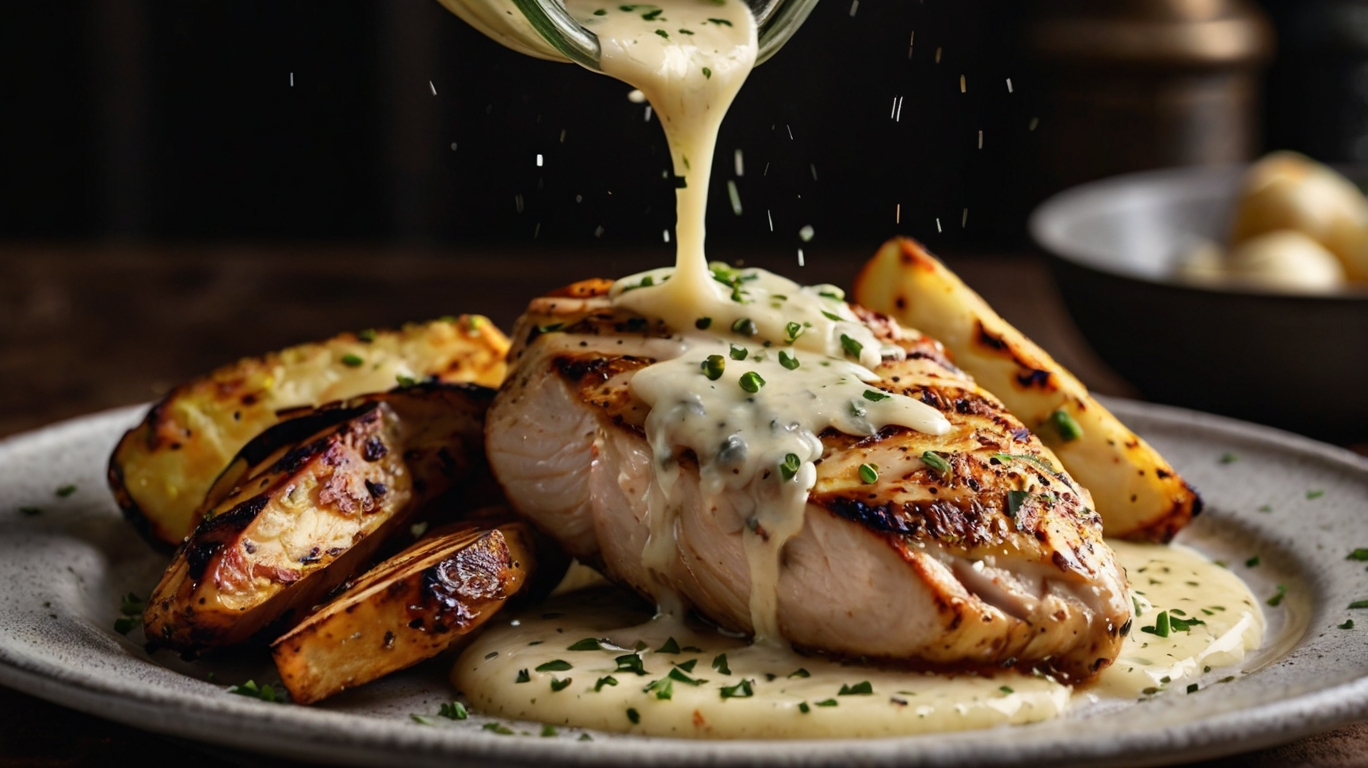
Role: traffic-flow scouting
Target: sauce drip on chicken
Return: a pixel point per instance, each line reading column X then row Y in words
column 762, row 364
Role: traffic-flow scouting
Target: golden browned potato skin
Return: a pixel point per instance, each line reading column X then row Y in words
column 1139, row 495
column 407, row 609
column 161, row 469
column 309, row 513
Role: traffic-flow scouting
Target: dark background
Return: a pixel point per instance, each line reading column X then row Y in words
column 176, row 120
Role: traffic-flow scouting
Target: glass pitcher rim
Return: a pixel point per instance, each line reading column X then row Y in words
column 777, row 20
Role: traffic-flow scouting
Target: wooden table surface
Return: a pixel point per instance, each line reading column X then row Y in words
column 87, row 328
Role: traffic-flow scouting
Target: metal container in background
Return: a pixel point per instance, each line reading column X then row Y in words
column 1138, row 84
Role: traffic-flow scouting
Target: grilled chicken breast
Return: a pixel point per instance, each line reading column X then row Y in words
column 981, row 553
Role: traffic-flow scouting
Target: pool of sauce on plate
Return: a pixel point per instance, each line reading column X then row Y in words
column 661, row 676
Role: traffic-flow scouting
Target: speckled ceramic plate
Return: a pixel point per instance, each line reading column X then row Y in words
column 1302, row 506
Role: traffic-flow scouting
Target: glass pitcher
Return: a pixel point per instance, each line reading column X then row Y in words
column 544, row 29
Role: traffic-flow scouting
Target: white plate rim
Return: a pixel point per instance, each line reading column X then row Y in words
column 305, row 733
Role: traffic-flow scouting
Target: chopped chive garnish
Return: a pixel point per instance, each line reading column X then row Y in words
column 863, row 688
column 405, row 381
column 789, row 468
column 851, row 346
column 741, row 690
column 630, row 662
column 677, row 674
column 745, row 326
column 714, row 367
column 739, row 353
column 1015, row 501
column 367, row 335
column 874, row 395
column 804, row 708
column 1007, row 689
column 1359, row 604
column 1229, row 458
column 833, row 317
column 602, row 681
column 1316, row 494
column 719, row 663
column 1193, row 687
column 800, row 672
column 794, row 330
column 548, row 731
column 869, row 474
column 1278, row 596
column 751, row 382
column 30, row 511
column 706, row 71
column 703, row 323
column 663, row 688
column 1162, row 625
column 1036, row 460
column 352, row 361
column 1348, row 624
column 587, row 644
column 262, row 692
column 1182, row 625
column 1360, row 554
column 131, row 605
column 936, row 462
column 687, row 666
column 827, row 703
column 670, row 646
column 556, row 665
column 788, row 361
column 453, row 710
column 558, row 684
column 633, row 715
column 1066, row 426
column 523, row 677
column 65, row 491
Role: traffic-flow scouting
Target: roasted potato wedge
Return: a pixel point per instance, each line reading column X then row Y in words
column 302, row 515
column 1139, row 496
column 407, row 609
column 161, row 469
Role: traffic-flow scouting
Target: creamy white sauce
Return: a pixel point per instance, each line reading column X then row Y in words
column 705, row 701
column 762, row 364
column 749, row 404
column 1189, row 588
column 689, row 58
